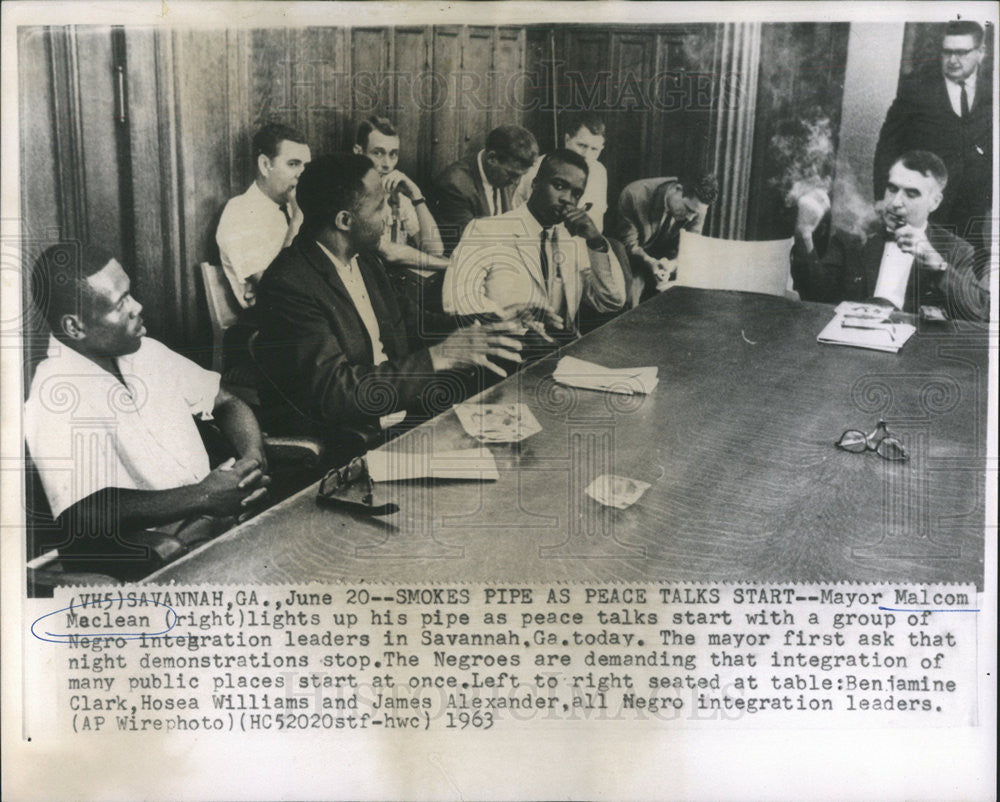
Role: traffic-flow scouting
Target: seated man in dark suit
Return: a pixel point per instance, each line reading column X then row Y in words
column 484, row 185
column 651, row 214
column 126, row 454
column 346, row 358
column 907, row 263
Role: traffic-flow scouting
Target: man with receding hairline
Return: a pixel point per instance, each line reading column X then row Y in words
column 907, row 263
column 484, row 185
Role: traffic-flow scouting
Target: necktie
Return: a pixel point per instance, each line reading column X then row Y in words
column 544, row 260
column 284, row 211
column 964, row 100
column 496, row 201
column 561, row 302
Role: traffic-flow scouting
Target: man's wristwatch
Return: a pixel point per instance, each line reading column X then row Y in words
column 598, row 244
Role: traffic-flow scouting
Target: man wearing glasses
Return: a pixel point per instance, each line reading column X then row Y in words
column 948, row 110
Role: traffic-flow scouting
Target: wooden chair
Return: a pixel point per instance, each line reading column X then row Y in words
column 718, row 264
column 223, row 310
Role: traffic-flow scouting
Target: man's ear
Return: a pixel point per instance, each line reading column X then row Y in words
column 343, row 220
column 263, row 164
column 73, row 327
column 936, row 199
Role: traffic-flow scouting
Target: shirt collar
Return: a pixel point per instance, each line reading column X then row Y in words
column 339, row 265
column 482, row 173
column 258, row 196
column 77, row 364
column 918, row 228
column 530, row 224
column 970, row 82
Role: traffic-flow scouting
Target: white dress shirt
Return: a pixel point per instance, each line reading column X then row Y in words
column 894, row 273
column 488, row 188
column 251, row 233
column 87, row 431
column 355, row 284
column 955, row 92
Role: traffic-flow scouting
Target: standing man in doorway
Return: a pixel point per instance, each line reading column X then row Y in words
column 947, row 109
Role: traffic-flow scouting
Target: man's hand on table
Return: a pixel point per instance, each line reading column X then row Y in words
column 475, row 345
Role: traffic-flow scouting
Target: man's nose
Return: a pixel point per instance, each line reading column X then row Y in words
column 136, row 307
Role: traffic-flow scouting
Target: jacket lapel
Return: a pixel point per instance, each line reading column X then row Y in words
column 330, row 278
column 477, row 180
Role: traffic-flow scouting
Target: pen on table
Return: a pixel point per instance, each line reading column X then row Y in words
column 888, row 328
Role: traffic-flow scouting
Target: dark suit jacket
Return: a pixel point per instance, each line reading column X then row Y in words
column 459, row 196
column 849, row 269
column 921, row 117
column 316, row 354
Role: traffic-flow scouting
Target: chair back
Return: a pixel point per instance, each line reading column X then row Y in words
column 223, row 311
column 719, row 264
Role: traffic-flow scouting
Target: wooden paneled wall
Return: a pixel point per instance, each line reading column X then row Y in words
column 149, row 178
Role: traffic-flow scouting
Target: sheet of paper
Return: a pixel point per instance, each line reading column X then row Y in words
column 498, row 423
column 865, row 326
column 466, row 463
column 616, row 491
column 591, row 376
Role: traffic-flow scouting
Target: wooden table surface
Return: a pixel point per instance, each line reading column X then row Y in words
column 737, row 442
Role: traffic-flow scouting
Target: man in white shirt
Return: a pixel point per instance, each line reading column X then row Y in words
column 109, row 421
column 907, row 263
column 343, row 353
column 256, row 225
column 411, row 241
column 546, row 253
column 583, row 133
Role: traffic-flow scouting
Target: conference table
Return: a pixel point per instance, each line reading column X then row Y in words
column 736, row 442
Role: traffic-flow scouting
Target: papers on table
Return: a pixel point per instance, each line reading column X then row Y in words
column 865, row 326
column 591, row 376
column 497, row 423
column 466, row 463
column 616, row 491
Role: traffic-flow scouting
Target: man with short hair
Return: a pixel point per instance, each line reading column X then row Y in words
column 484, row 185
column 651, row 214
column 947, row 108
column 907, row 263
column 109, row 421
column 408, row 220
column 583, row 133
column 256, row 225
column 346, row 358
column 546, row 253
